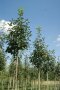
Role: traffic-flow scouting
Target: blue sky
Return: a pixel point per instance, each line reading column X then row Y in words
column 44, row 13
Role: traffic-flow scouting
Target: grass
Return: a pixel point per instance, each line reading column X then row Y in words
column 45, row 85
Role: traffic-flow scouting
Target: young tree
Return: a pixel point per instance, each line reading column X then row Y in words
column 57, row 71
column 39, row 53
column 18, row 38
column 2, row 60
column 49, row 64
column 2, row 54
column 26, row 71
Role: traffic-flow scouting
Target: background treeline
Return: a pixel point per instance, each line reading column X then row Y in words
column 26, row 69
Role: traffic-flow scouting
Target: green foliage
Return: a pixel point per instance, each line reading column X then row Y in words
column 38, row 54
column 33, row 72
column 20, row 12
column 12, row 67
column 2, row 60
column 2, row 39
column 57, row 71
column 19, row 34
column 49, row 64
column 43, row 60
column 26, row 67
column 2, row 54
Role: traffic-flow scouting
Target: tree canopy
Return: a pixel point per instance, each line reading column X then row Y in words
column 19, row 34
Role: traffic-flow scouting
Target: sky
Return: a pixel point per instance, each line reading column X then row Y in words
column 44, row 13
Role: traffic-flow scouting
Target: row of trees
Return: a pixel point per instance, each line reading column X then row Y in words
column 41, row 64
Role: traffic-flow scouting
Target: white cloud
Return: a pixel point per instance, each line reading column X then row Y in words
column 58, row 38
column 4, row 25
column 57, row 45
column 59, row 35
column 57, row 41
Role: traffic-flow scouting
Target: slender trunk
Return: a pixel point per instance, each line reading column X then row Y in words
column 26, row 73
column 13, row 83
column 18, row 84
column 47, row 76
column 25, row 83
column 36, row 84
column 9, row 84
column 38, row 79
column 23, row 88
column 55, row 83
column 2, row 85
column 47, row 82
column 31, row 85
column 16, row 73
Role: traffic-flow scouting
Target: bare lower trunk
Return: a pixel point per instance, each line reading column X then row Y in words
column 13, row 83
column 10, row 82
column 31, row 85
column 8, row 86
column 55, row 84
column 2, row 85
column 47, row 76
column 16, row 86
column 39, row 80
column 26, row 84
column 47, row 82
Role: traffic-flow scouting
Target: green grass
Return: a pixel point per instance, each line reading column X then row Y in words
column 50, row 85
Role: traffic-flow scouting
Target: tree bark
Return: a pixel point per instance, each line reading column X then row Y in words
column 13, row 83
column 16, row 86
column 39, row 80
column 47, row 82
column 47, row 76
column 2, row 85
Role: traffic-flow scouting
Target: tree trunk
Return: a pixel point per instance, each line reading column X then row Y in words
column 25, row 83
column 18, row 84
column 2, row 85
column 47, row 82
column 13, row 83
column 55, row 83
column 36, row 84
column 38, row 79
column 8, row 86
column 16, row 88
column 47, row 76
column 31, row 85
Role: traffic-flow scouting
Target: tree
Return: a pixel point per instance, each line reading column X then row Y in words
column 2, row 38
column 38, row 55
column 26, row 72
column 18, row 38
column 2, row 54
column 57, row 71
column 2, row 60
column 49, row 64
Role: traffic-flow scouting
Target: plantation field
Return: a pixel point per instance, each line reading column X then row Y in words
column 50, row 82
column 31, row 85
